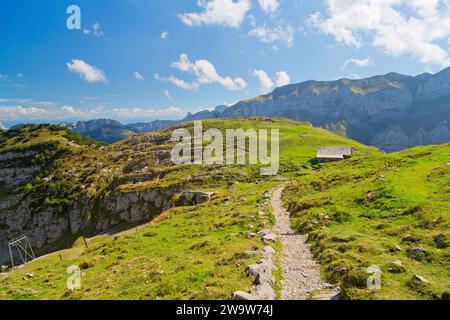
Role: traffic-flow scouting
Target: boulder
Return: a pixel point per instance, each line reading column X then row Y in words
column 197, row 197
column 440, row 241
column 262, row 272
column 419, row 278
column 269, row 249
column 264, row 292
column 243, row 296
column 417, row 251
column 268, row 235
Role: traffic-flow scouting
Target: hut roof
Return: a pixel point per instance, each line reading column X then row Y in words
column 334, row 152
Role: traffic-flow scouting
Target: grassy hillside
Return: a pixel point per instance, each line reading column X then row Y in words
column 374, row 210
column 190, row 252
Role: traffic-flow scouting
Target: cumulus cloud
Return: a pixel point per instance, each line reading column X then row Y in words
column 68, row 112
column 205, row 73
column 271, row 35
column 87, row 72
column 282, row 79
column 414, row 31
column 269, row 6
column 71, row 110
column 178, row 82
column 138, row 76
column 266, row 84
column 183, row 84
column 165, row 35
column 363, row 63
column 228, row 13
column 18, row 112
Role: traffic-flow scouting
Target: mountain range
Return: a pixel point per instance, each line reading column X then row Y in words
column 111, row 131
column 392, row 112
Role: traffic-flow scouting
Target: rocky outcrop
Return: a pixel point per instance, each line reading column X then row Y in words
column 15, row 169
column 50, row 193
column 50, row 225
column 196, row 197
column 395, row 139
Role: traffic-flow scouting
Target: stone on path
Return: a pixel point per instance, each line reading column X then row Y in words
column 243, row 296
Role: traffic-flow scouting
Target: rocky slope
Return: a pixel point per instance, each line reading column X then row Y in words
column 392, row 112
column 190, row 251
column 54, row 183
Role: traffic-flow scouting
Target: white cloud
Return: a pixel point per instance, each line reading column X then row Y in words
column 71, row 110
column 67, row 112
column 269, row 6
column 18, row 112
column 178, row 82
column 228, row 13
column 283, row 79
column 165, row 35
column 183, row 84
column 87, row 72
column 167, row 94
column 138, row 76
column 266, row 84
column 271, row 35
column 206, row 73
column 96, row 30
column 363, row 63
column 413, row 31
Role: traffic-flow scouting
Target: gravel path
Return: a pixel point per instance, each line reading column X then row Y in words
column 301, row 272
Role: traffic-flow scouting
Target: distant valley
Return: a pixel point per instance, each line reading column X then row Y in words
column 111, row 131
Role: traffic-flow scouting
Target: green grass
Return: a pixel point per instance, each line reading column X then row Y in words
column 355, row 211
column 185, row 253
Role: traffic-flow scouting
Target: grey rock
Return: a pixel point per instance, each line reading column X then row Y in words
column 419, row 278
column 198, row 197
column 264, row 292
column 243, row 296
column 417, row 250
column 440, row 240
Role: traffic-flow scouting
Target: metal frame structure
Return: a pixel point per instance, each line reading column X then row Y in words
column 23, row 247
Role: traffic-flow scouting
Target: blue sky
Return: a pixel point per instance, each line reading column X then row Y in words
column 138, row 60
